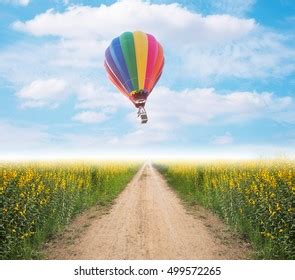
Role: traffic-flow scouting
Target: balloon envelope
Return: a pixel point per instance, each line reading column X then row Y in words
column 134, row 62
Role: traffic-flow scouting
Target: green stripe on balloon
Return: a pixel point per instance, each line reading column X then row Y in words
column 128, row 49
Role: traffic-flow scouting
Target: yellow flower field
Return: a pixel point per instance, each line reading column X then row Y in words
column 255, row 197
column 39, row 199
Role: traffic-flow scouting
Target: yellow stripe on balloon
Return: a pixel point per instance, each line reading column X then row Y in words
column 141, row 50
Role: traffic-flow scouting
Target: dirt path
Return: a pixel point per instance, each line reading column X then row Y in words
column 148, row 221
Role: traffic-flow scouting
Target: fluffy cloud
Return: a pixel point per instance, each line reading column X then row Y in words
column 91, row 97
column 16, row 2
column 42, row 93
column 211, row 47
column 262, row 55
column 90, row 117
column 172, row 112
column 202, row 106
column 190, row 27
column 76, row 61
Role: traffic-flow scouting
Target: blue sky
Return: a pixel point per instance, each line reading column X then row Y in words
column 227, row 89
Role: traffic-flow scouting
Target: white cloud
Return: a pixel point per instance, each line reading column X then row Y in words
column 31, row 141
column 225, row 139
column 173, row 112
column 79, row 52
column 23, row 2
column 190, row 27
column 42, row 93
column 261, row 55
column 16, row 2
column 206, row 105
column 25, row 62
column 206, row 48
column 90, row 117
column 91, row 96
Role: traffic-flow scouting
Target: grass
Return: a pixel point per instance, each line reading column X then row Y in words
column 256, row 198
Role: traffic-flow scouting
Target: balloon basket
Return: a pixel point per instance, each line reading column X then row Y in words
column 142, row 114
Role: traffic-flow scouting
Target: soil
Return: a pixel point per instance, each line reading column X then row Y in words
column 147, row 221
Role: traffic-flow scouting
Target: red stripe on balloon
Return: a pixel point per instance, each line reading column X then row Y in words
column 159, row 64
column 151, row 60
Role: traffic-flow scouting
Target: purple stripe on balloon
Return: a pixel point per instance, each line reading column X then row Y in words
column 112, row 65
column 115, row 81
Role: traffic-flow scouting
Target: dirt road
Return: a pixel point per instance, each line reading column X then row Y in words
column 148, row 221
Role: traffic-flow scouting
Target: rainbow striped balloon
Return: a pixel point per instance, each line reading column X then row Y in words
column 134, row 62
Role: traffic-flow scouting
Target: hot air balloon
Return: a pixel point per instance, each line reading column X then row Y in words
column 134, row 63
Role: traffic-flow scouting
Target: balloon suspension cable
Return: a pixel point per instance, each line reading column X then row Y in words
column 142, row 114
